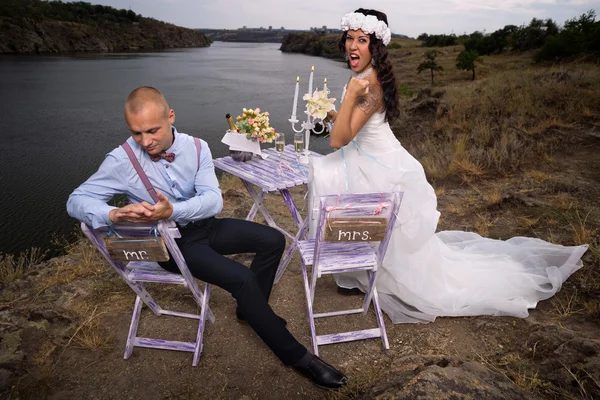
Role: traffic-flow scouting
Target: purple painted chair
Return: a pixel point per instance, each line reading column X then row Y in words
column 353, row 234
column 137, row 273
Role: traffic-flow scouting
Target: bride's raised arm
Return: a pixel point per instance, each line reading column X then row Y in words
column 361, row 100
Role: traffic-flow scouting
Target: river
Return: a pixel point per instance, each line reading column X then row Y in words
column 60, row 115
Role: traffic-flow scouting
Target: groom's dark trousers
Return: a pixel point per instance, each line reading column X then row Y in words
column 204, row 245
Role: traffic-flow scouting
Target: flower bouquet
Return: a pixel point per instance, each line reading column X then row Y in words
column 319, row 104
column 252, row 129
column 256, row 125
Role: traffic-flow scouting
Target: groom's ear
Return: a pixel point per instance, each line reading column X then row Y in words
column 171, row 116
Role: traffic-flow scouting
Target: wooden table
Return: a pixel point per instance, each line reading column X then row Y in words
column 271, row 176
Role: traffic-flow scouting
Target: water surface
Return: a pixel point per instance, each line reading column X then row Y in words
column 60, row 115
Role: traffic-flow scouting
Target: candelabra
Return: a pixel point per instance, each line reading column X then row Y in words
column 309, row 124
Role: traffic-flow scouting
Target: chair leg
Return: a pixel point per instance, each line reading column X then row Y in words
column 202, row 323
column 369, row 294
column 135, row 319
column 313, row 285
column 309, row 305
column 380, row 321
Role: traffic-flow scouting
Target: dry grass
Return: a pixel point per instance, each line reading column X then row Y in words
column 582, row 232
column 566, row 306
column 483, row 224
column 12, row 268
column 503, row 121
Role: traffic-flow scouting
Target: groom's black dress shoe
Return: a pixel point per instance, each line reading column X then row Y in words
column 242, row 320
column 319, row 372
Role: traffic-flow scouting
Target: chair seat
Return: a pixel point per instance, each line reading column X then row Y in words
column 141, row 271
column 338, row 255
column 144, row 265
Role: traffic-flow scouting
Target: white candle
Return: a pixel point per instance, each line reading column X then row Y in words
column 295, row 98
column 310, row 80
column 325, row 85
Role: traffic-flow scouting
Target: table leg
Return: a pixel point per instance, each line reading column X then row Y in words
column 302, row 227
column 252, row 214
column 257, row 198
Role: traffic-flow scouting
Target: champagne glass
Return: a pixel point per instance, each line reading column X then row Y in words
column 299, row 143
column 280, row 145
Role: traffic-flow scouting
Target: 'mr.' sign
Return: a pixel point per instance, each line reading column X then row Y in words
column 137, row 249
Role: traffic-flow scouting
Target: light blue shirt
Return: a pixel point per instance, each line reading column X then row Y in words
column 194, row 192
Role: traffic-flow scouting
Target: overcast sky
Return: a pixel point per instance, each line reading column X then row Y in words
column 409, row 17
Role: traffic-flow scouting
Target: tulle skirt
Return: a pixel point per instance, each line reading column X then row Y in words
column 451, row 273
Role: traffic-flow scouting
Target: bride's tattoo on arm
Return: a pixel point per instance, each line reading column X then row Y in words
column 371, row 101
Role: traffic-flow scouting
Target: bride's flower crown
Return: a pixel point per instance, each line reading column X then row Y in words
column 368, row 24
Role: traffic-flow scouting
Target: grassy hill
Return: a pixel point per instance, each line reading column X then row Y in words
column 34, row 26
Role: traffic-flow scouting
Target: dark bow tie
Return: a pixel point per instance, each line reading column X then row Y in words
column 165, row 156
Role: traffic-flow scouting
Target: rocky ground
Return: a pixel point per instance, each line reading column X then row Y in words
column 63, row 325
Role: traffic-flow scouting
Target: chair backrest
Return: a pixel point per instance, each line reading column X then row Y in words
column 360, row 217
column 166, row 229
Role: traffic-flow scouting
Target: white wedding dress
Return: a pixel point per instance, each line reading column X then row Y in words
column 427, row 274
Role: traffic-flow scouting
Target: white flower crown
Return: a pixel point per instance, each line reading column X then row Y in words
column 368, row 24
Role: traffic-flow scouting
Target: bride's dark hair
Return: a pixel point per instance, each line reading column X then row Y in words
column 383, row 66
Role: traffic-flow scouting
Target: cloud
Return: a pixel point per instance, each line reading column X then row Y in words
column 409, row 17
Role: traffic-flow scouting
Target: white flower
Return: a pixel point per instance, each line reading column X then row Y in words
column 356, row 21
column 318, row 104
column 368, row 24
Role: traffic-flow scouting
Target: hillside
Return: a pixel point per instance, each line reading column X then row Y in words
column 314, row 44
column 245, row 35
column 326, row 44
column 56, row 27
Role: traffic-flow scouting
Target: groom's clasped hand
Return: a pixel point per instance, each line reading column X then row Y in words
column 143, row 212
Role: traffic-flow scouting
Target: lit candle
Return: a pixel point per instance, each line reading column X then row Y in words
column 310, row 80
column 295, row 98
column 325, row 85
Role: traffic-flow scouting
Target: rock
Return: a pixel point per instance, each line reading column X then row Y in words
column 566, row 358
column 429, row 104
column 5, row 376
column 437, row 377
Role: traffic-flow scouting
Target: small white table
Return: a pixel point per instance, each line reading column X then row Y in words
column 269, row 176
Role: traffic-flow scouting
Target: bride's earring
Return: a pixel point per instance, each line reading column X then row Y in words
column 372, row 61
column 346, row 56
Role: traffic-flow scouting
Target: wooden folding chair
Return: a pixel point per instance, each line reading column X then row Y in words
column 350, row 225
column 132, row 257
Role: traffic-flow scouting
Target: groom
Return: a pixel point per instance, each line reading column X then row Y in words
column 189, row 194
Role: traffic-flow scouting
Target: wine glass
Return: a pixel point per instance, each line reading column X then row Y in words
column 280, row 145
column 299, row 143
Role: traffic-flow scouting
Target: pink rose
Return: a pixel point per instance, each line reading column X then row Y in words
column 250, row 121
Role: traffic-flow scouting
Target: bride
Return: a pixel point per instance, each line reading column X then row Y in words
column 425, row 274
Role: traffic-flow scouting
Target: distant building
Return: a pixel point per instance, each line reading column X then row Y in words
column 270, row 28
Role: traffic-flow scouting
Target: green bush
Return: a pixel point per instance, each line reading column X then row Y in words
column 404, row 90
column 579, row 35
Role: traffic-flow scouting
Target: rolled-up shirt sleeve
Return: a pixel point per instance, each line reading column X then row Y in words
column 88, row 203
column 208, row 200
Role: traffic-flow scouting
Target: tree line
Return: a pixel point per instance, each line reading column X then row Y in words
column 552, row 42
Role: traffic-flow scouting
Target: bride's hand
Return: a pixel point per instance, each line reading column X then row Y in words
column 331, row 115
column 357, row 87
